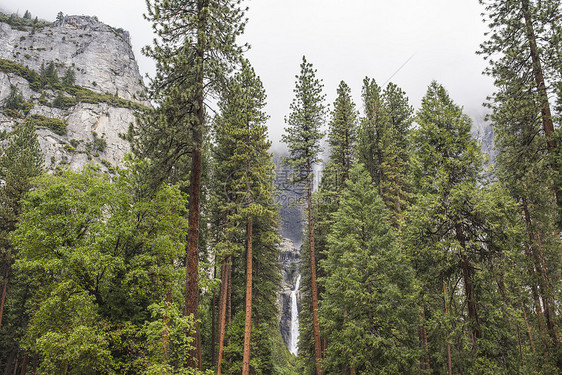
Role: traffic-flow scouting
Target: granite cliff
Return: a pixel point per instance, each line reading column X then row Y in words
column 80, row 119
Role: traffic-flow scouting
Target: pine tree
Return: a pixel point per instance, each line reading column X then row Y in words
column 523, row 33
column 395, row 143
column 384, row 141
column 468, row 231
column 245, row 201
column 366, row 309
column 523, row 39
column 369, row 153
column 342, row 134
column 194, row 55
column 303, row 140
column 20, row 160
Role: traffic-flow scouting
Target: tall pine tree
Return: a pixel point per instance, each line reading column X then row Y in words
column 303, row 140
column 195, row 51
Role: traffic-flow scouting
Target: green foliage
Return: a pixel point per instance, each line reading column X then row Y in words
column 367, row 309
column 63, row 102
column 69, row 78
column 243, row 171
column 303, row 133
column 22, row 23
column 15, row 98
column 110, row 254
column 54, row 124
column 49, row 74
column 100, row 144
column 342, row 134
column 20, row 161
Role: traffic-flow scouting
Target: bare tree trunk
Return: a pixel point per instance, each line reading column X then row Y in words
column 541, row 275
column 35, row 362
column 449, row 362
column 528, row 327
column 248, row 322
column 548, row 125
column 24, row 364
column 4, row 290
column 166, row 331
column 468, row 287
column 317, row 347
column 213, row 322
column 225, row 277
column 9, row 362
column 192, row 260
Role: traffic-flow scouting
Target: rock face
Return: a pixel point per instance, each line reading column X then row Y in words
column 102, row 60
column 289, row 198
column 290, row 261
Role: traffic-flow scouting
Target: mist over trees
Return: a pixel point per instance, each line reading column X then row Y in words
column 417, row 257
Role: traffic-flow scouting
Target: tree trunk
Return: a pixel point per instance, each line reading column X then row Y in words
column 317, row 348
column 548, row 125
column 192, row 260
column 35, row 362
column 4, row 290
column 449, row 362
column 24, row 364
column 538, row 271
column 468, row 287
column 9, row 362
column 248, row 322
column 166, row 331
column 424, row 345
column 528, row 327
column 223, row 296
column 213, row 322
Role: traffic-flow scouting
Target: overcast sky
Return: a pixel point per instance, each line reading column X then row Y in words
column 344, row 39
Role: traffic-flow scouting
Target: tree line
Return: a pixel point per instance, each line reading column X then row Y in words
column 416, row 259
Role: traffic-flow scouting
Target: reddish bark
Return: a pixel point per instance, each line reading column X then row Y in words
column 314, row 286
column 223, row 296
column 248, row 322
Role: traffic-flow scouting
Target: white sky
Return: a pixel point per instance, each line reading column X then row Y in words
column 344, row 39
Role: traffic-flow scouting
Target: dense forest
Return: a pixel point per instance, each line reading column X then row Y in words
column 420, row 255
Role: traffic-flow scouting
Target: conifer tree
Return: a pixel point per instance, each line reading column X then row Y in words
column 243, row 160
column 395, row 142
column 467, row 231
column 303, row 140
column 368, row 135
column 522, row 35
column 384, row 141
column 523, row 38
column 367, row 309
column 342, row 134
column 196, row 52
column 20, row 160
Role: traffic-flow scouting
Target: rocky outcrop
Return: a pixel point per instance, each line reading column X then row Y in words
column 101, row 56
column 290, row 261
column 105, row 69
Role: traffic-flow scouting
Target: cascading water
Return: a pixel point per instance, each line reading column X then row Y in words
column 294, row 318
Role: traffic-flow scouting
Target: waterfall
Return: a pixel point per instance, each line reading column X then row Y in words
column 294, row 318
